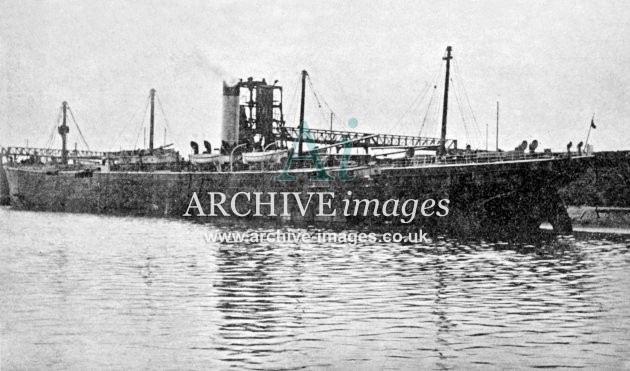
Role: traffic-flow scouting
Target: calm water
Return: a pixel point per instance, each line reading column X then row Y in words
column 87, row 292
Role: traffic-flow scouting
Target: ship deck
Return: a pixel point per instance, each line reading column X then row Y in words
column 420, row 163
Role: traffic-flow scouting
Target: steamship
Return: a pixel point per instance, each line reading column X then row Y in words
column 506, row 193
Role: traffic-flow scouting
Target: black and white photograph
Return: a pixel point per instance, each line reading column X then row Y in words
column 321, row 185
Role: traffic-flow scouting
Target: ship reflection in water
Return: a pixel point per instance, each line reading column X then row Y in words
column 86, row 292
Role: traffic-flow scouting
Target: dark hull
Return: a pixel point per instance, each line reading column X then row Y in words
column 491, row 199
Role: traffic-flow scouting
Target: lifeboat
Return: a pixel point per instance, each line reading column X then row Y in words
column 210, row 158
column 266, row 156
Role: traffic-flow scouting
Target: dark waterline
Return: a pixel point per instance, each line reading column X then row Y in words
column 92, row 292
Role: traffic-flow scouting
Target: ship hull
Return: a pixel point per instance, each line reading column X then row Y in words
column 499, row 199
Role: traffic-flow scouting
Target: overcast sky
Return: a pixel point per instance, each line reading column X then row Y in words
column 551, row 64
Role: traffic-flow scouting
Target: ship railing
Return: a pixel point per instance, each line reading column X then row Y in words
column 493, row 157
column 38, row 157
column 48, row 152
column 475, row 158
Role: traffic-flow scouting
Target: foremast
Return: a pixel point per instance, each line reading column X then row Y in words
column 63, row 131
column 152, row 120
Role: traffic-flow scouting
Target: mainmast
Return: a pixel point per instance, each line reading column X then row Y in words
column 304, row 74
column 63, row 131
column 448, row 58
column 152, row 94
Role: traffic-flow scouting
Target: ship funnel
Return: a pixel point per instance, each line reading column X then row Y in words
column 231, row 108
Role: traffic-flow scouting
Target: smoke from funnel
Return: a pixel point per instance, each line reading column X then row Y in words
column 204, row 63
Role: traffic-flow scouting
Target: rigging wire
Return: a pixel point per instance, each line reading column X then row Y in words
column 335, row 115
column 320, row 98
column 435, row 84
column 461, row 111
column 415, row 104
column 459, row 76
column 51, row 138
column 146, row 107
column 49, row 141
column 133, row 117
column 319, row 104
column 293, row 99
column 438, row 112
column 424, row 120
column 337, row 118
column 78, row 128
column 168, row 127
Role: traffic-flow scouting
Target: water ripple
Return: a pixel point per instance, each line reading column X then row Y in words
column 86, row 292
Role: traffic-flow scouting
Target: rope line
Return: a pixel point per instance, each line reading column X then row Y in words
column 412, row 106
column 336, row 118
column 437, row 107
column 461, row 111
column 146, row 107
column 319, row 104
column 424, row 120
column 124, row 128
column 168, row 127
column 292, row 101
column 49, row 141
column 422, row 94
column 459, row 75
column 78, row 128
column 51, row 137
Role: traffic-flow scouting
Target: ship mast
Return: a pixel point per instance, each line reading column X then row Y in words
column 497, row 142
column 152, row 94
column 63, row 131
column 304, row 74
column 448, row 58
